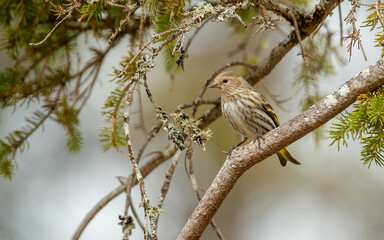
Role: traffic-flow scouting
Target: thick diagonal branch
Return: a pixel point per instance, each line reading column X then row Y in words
column 247, row 156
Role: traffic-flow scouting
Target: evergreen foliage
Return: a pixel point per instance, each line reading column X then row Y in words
column 373, row 21
column 40, row 37
column 365, row 124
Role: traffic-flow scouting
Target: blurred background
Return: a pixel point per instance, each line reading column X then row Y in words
column 332, row 195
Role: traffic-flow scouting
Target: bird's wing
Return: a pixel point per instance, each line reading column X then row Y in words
column 268, row 110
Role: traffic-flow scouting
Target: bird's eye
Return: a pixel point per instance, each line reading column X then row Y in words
column 225, row 80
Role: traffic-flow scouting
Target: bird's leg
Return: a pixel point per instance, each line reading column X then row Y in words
column 243, row 139
column 258, row 139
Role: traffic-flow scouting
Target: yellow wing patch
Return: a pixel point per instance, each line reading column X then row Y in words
column 268, row 110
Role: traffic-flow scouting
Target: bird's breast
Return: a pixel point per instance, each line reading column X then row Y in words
column 235, row 113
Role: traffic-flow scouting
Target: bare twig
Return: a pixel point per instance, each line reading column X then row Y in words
column 132, row 10
column 92, row 213
column 195, row 33
column 198, row 102
column 285, row 12
column 87, row 92
column 53, row 29
column 152, row 133
column 145, row 46
column 128, row 201
column 168, row 178
column 144, row 196
column 16, row 145
column 136, row 216
column 125, row 7
column 296, row 27
column 141, row 28
column 141, row 123
column 341, row 25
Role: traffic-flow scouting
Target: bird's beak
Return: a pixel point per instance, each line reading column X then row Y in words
column 214, row 85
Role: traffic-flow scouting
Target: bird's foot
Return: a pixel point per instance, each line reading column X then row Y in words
column 230, row 150
column 258, row 140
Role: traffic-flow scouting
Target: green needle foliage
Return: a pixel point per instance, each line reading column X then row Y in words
column 90, row 11
column 372, row 21
column 169, row 18
column 43, row 74
column 365, row 124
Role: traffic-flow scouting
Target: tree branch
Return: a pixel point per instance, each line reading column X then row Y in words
column 245, row 157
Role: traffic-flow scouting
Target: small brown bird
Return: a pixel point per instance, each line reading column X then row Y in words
column 247, row 110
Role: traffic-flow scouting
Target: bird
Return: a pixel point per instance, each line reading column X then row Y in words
column 248, row 111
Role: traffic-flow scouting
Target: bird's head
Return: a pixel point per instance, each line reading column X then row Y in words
column 229, row 83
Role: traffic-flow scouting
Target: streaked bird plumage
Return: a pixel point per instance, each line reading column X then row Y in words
column 247, row 110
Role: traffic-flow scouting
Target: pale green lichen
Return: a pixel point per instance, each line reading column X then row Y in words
column 174, row 135
column 153, row 212
column 152, row 9
column 191, row 126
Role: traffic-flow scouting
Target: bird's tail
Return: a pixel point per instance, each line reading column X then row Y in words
column 285, row 156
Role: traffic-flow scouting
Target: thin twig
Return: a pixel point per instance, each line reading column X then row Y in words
column 341, row 25
column 17, row 144
column 125, row 7
column 296, row 27
column 152, row 133
column 196, row 32
column 198, row 102
column 141, row 123
column 144, row 196
column 166, row 183
column 128, row 191
column 53, row 29
column 92, row 213
column 119, row 29
column 145, row 46
column 136, row 216
column 141, row 27
column 319, row 27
